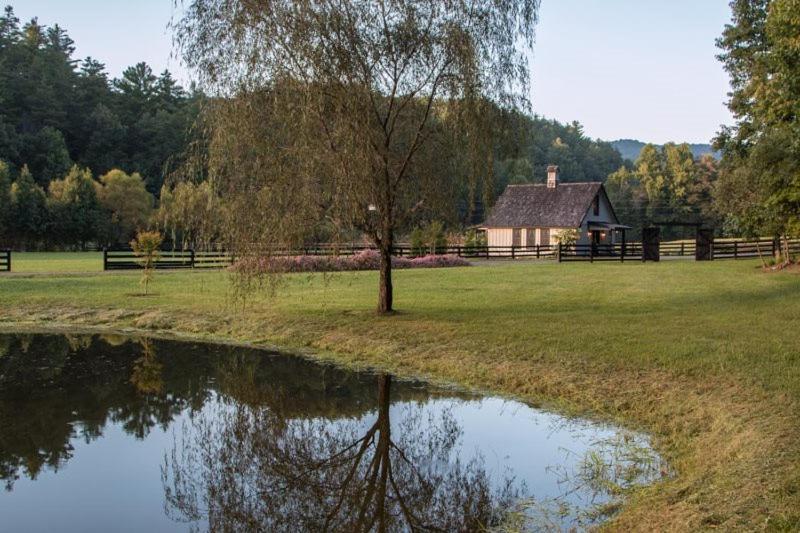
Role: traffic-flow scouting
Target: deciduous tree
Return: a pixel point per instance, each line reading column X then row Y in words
column 75, row 213
column 355, row 93
column 127, row 204
column 759, row 188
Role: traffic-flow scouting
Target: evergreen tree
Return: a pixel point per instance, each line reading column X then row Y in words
column 28, row 211
column 5, row 203
column 55, row 110
column 45, row 152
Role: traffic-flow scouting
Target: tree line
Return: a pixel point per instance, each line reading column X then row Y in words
column 57, row 111
column 74, row 211
column 67, row 128
column 666, row 184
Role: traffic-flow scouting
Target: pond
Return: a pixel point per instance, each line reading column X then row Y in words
column 102, row 433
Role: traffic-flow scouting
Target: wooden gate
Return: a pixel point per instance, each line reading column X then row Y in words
column 651, row 241
column 704, row 244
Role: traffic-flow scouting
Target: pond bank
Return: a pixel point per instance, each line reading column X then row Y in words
column 721, row 406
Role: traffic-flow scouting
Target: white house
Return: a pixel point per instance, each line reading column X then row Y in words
column 533, row 214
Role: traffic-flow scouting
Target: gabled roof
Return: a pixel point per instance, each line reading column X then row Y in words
column 536, row 205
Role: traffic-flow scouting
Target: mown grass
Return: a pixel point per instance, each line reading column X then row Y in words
column 57, row 262
column 704, row 356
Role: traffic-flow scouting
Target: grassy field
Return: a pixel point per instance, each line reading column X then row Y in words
column 57, row 262
column 704, row 356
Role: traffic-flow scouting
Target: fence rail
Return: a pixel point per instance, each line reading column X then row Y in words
column 749, row 249
column 125, row 259
column 168, row 259
column 631, row 251
column 5, row 260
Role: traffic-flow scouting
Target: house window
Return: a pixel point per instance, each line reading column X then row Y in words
column 596, row 205
column 530, row 237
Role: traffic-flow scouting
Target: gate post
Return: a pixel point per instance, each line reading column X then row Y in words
column 704, row 245
column 651, row 242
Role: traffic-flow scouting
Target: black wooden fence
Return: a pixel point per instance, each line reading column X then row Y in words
column 125, row 259
column 630, row 251
column 168, row 259
column 727, row 249
column 749, row 249
column 5, row 260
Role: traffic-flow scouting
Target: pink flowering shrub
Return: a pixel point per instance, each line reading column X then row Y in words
column 438, row 261
column 364, row 260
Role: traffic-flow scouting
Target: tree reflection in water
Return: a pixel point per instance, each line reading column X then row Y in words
column 246, row 468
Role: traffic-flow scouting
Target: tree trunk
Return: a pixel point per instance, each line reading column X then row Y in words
column 385, row 288
column 383, row 448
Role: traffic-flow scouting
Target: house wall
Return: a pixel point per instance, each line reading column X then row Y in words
column 505, row 236
column 499, row 236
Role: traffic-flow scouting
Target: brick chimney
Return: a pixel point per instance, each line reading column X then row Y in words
column 552, row 176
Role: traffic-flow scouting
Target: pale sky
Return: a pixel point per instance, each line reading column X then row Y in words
column 642, row 69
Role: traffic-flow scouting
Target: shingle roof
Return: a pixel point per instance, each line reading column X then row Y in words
column 536, row 205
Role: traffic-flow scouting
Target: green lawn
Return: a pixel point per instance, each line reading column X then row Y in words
column 704, row 356
column 57, row 261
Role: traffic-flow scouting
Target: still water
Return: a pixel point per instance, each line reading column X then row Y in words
column 106, row 433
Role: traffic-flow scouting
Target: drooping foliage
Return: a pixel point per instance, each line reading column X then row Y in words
column 359, row 105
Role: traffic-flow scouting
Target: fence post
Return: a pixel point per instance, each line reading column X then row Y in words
column 736, row 249
column 458, row 250
column 512, row 252
column 538, row 246
column 622, row 253
column 683, row 245
column 559, row 252
column 191, row 257
column 105, row 259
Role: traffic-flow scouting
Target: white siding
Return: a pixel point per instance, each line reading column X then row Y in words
column 499, row 236
column 505, row 236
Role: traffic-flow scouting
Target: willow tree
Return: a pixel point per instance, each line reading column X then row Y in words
column 344, row 112
column 258, row 468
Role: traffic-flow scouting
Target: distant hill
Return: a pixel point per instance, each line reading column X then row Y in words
column 630, row 148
